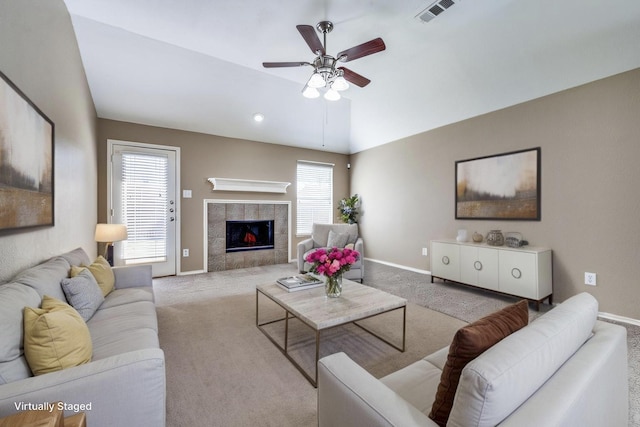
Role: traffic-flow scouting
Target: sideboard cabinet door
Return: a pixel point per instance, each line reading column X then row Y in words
column 479, row 267
column 445, row 260
column 518, row 273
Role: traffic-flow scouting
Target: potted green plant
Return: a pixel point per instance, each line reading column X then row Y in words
column 348, row 209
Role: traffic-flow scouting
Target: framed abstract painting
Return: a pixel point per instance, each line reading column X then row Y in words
column 26, row 161
column 503, row 186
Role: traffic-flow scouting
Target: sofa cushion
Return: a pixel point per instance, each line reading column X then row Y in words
column 337, row 240
column 416, row 383
column 77, row 257
column 496, row 383
column 123, row 328
column 115, row 344
column 83, row 293
column 122, row 318
column 101, row 270
column 127, row 296
column 468, row 343
column 13, row 298
column 45, row 278
column 14, row 370
column 55, row 337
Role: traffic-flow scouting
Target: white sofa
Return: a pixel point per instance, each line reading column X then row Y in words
column 320, row 239
column 566, row 368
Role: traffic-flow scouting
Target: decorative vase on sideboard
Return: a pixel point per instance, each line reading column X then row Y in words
column 495, row 238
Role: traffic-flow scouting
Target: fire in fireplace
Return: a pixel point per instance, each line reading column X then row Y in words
column 249, row 235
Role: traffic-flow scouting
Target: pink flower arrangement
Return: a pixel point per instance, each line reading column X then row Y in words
column 332, row 262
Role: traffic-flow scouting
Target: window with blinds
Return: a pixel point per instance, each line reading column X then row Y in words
column 144, row 207
column 314, row 183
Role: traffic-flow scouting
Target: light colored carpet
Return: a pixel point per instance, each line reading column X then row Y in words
column 221, row 370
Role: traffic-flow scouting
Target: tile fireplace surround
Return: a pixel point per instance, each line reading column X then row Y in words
column 218, row 212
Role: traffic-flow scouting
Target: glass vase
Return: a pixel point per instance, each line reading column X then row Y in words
column 333, row 286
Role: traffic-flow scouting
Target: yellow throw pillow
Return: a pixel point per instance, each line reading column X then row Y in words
column 55, row 337
column 102, row 272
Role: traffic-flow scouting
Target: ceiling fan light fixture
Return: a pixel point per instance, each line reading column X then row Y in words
column 310, row 92
column 340, row 83
column 316, row 81
column 332, row 95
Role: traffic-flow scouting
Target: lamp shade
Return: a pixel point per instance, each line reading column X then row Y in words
column 316, row 81
column 111, row 232
column 331, row 95
column 340, row 83
column 310, row 92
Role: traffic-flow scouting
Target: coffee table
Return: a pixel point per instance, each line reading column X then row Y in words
column 319, row 312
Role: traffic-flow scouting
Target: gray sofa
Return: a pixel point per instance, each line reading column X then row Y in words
column 564, row 369
column 320, row 239
column 124, row 382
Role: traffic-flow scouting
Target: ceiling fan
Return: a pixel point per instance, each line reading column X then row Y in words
column 325, row 72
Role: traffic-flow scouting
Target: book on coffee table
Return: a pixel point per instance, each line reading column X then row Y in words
column 299, row 282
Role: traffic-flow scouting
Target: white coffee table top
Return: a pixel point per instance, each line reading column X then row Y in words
column 318, row 311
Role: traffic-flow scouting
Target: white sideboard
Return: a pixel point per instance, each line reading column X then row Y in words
column 523, row 272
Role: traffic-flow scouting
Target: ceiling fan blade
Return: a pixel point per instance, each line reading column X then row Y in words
column 364, row 49
column 284, row 64
column 309, row 35
column 354, row 77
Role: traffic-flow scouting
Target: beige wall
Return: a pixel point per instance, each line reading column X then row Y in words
column 205, row 156
column 590, row 150
column 590, row 139
column 39, row 53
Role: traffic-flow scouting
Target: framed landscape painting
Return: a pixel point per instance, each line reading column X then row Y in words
column 26, row 161
column 503, row 186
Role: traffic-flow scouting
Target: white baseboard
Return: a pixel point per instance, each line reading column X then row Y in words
column 188, row 273
column 621, row 319
column 402, row 267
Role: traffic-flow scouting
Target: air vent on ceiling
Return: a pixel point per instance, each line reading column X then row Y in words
column 435, row 9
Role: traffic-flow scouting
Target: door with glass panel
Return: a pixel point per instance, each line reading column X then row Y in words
column 143, row 197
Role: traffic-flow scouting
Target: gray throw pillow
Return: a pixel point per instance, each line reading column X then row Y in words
column 83, row 293
column 338, row 240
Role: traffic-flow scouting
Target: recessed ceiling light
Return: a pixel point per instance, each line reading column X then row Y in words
column 258, row 117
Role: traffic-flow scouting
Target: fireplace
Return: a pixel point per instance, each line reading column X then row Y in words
column 249, row 235
column 272, row 214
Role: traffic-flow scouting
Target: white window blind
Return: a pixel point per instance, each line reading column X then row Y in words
column 144, row 207
column 315, row 195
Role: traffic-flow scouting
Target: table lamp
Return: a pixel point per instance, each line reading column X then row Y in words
column 109, row 233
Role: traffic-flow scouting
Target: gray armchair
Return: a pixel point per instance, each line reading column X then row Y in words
column 329, row 235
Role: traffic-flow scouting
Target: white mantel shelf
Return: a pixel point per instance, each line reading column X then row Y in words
column 228, row 184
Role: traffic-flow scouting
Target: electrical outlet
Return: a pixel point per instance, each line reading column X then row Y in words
column 185, row 253
column 590, row 279
column 425, row 251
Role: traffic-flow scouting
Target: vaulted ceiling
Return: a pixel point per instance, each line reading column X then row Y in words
column 197, row 64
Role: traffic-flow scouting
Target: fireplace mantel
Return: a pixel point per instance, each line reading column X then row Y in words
column 228, row 184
